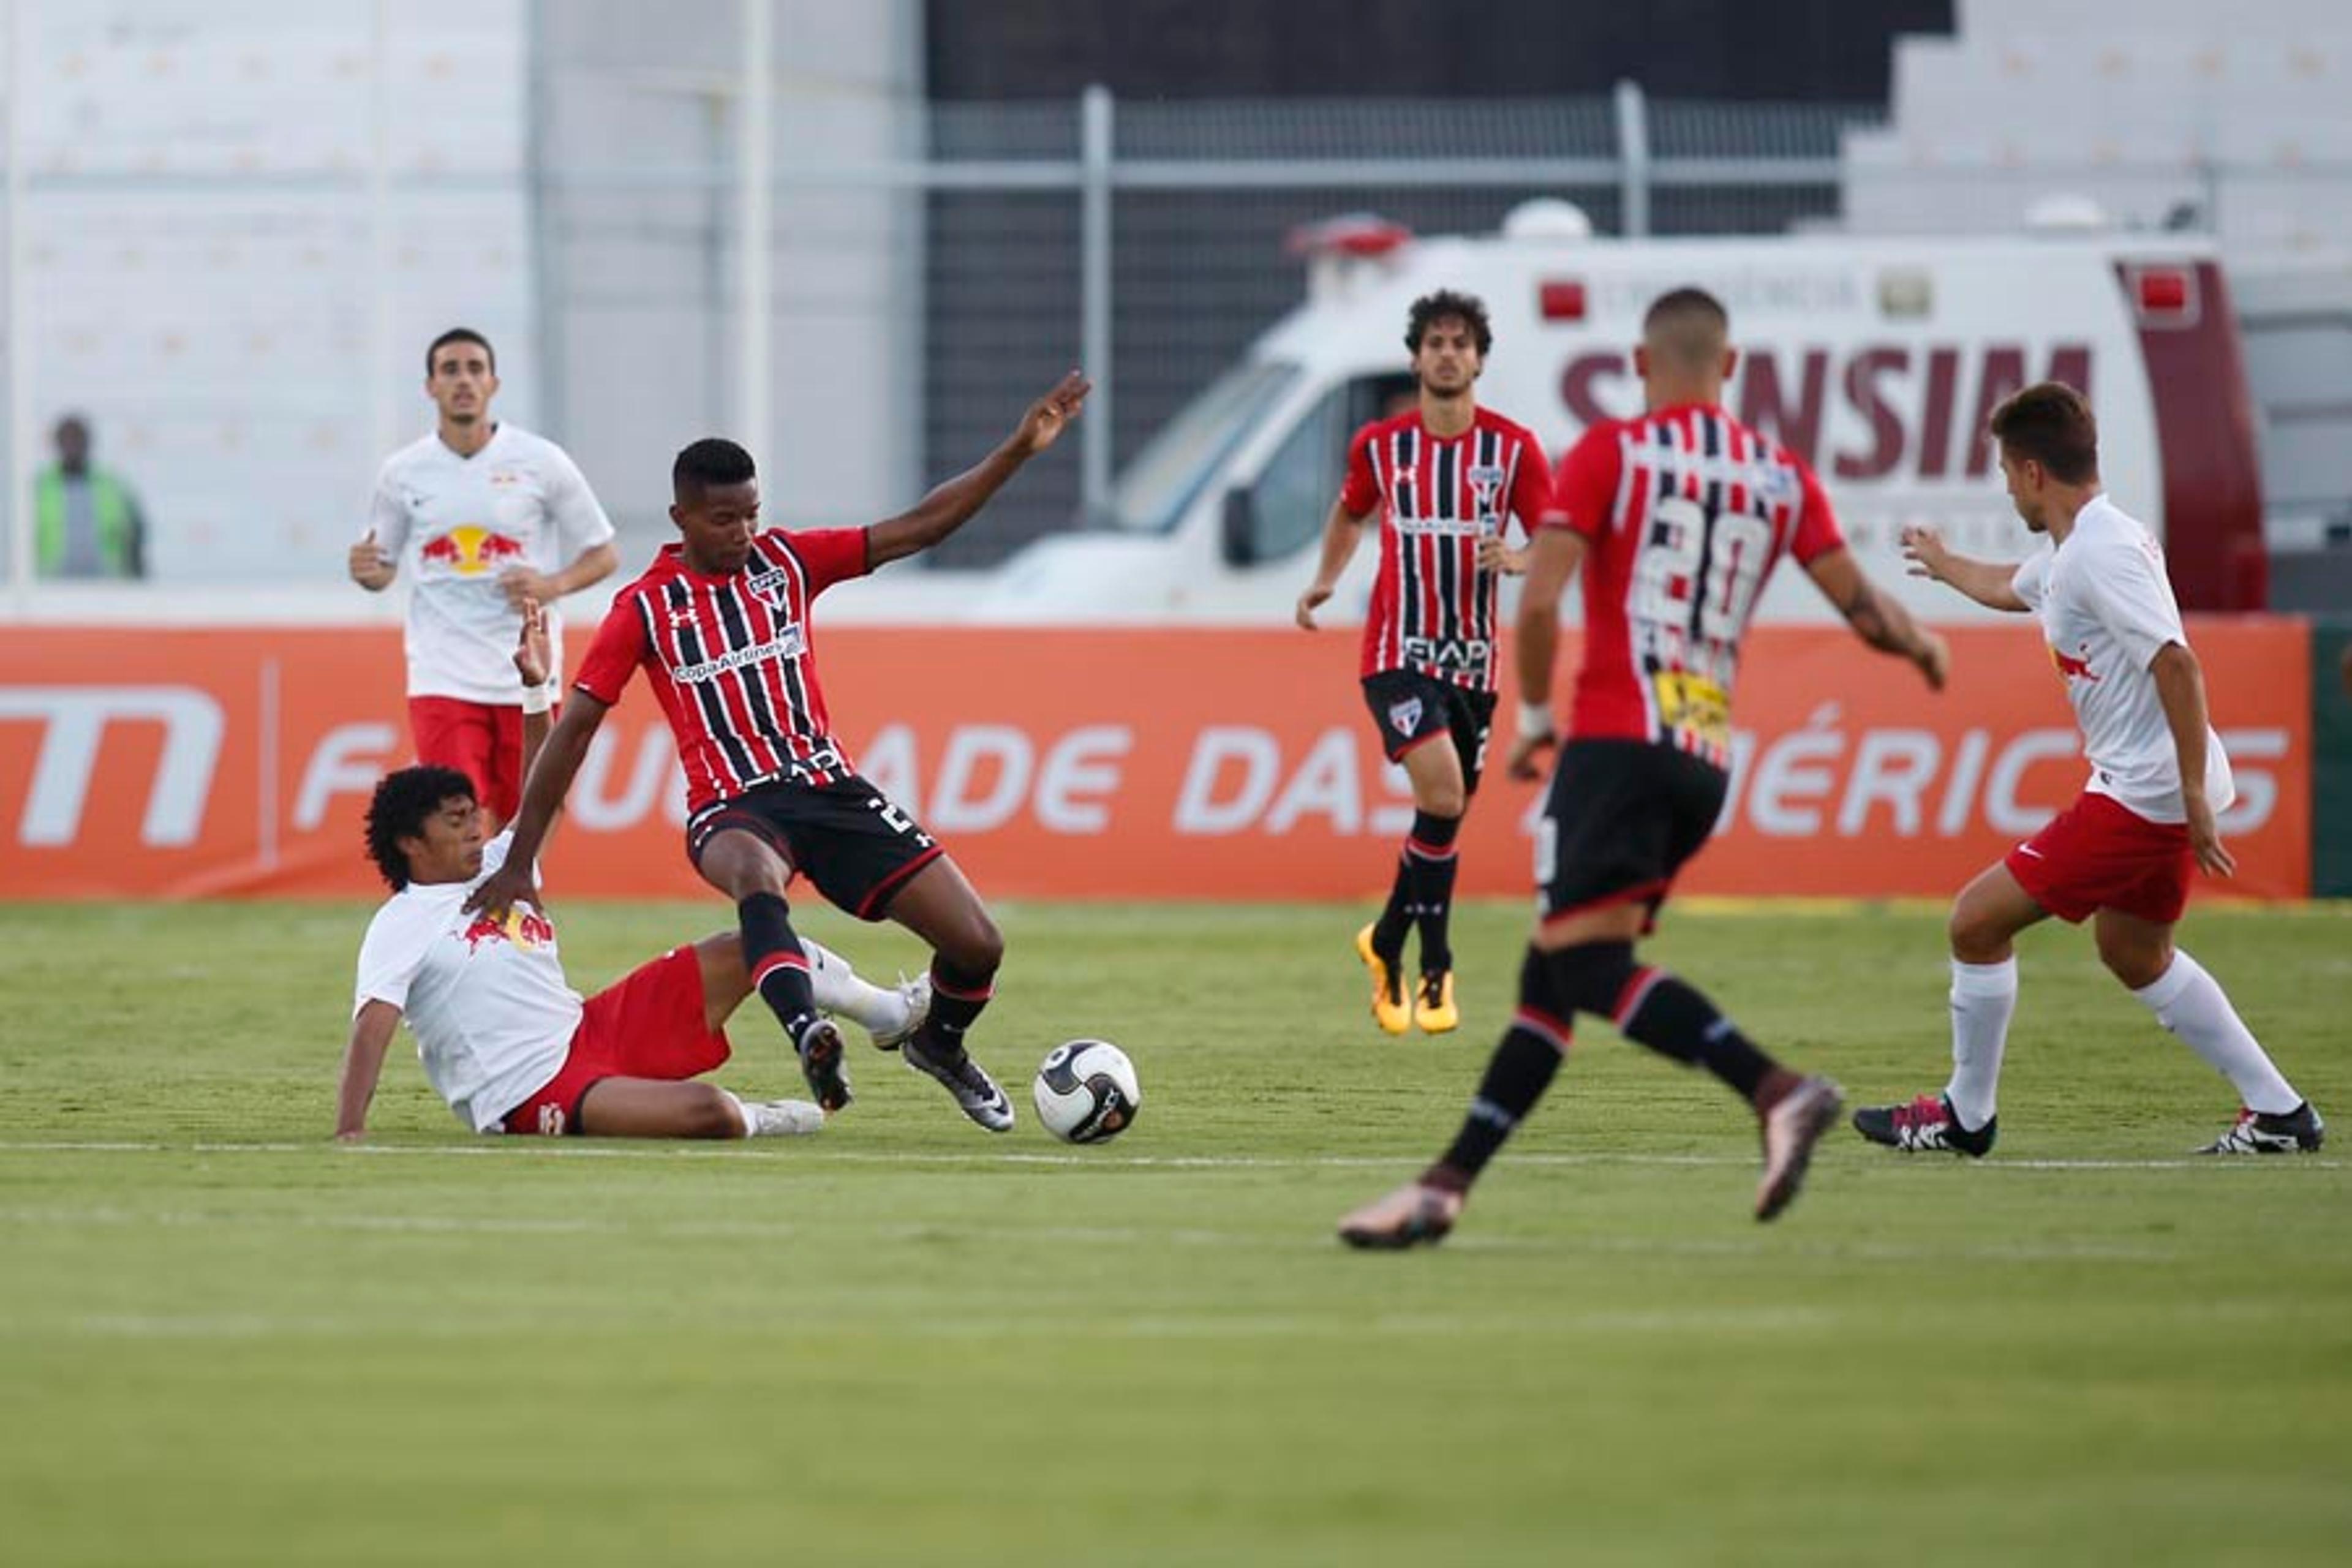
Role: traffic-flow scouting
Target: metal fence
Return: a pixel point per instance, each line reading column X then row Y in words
column 1146, row 241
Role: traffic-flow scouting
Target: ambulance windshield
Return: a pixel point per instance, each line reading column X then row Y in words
column 1153, row 490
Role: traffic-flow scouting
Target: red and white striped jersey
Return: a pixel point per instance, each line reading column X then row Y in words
column 1433, row 609
column 733, row 661
column 1685, row 512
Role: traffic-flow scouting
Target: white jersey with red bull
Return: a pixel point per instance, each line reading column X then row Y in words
column 454, row 524
column 2106, row 610
column 1685, row 512
column 485, row 999
column 1433, row 607
column 733, row 661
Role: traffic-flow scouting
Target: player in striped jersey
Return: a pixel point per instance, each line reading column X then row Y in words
column 720, row 626
column 1677, row 517
column 502, row 1036
column 1445, row 477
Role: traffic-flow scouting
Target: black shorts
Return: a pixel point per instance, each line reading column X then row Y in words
column 1410, row 708
column 846, row 838
column 1620, row 820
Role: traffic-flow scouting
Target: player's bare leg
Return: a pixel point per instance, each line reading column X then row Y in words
column 651, row 1107
column 2273, row 1117
column 750, row 870
column 939, row 905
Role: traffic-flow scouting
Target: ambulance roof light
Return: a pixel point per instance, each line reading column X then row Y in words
column 1547, row 217
column 1348, row 234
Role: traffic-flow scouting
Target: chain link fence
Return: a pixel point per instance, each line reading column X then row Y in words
column 1202, row 196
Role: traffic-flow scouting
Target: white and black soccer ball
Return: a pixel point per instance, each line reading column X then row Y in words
column 1087, row 1091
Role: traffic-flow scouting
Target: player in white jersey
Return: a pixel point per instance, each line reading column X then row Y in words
column 2123, row 854
column 490, row 515
column 502, row 1036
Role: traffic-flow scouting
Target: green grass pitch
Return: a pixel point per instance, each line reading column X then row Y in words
column 225, row 1340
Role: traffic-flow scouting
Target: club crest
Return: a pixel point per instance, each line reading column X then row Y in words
column 770, row 588
column 1405, row 715
column 1486, row 485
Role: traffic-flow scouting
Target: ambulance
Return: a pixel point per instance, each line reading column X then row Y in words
column 1877, row 358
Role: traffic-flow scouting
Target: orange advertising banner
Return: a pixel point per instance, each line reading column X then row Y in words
column 1087, row 764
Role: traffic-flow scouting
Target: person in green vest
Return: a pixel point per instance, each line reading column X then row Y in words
column 86, row 521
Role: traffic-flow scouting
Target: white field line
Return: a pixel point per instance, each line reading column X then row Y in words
column 800, row 1152
column 1780, row 1243
column 1056, row 1326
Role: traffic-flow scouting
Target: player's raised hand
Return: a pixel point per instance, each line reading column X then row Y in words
column 368, row 564
column 1042, row 424
column 532, row 657
column 1923, row 547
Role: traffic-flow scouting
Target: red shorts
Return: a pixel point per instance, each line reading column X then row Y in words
column 647, row 1024
column 480, row 740
column 2097, row 854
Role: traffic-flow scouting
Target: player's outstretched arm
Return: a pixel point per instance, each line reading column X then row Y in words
column 1342, row 531
column 2180, row 690
column 954, row 503
column 371, row 1032
column 532, row 661
column 1986, row 582
column 1878, row 618
column 543, row 792
column 1552, row 561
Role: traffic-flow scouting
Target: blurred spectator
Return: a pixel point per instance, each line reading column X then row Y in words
column 86, row 521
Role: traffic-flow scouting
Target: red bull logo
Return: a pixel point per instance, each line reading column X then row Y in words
column 470, row 550
column 2072, row 667
column 524, row 927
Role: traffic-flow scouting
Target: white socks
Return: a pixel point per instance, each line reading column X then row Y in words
column 838, row 989
column 2191, row 1003
column 1984, row 996
column 776, row 1118
column 742, row 1113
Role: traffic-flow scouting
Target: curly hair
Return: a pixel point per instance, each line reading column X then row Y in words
column 403, row 801
column 1430, row 309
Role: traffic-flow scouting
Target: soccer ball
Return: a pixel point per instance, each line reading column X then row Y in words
column 1086, row 1091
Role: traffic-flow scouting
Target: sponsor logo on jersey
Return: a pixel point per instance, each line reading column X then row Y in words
column 523, row 927
column 790, row 642
column 470, row 550
column 1405, row 715
column 1449, row 653
column 2072, row 667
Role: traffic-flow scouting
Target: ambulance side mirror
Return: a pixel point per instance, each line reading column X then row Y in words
column 1238, row 535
